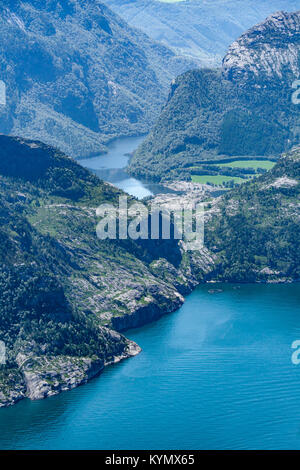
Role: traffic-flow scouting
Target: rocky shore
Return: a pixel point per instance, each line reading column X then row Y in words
column 43, row 377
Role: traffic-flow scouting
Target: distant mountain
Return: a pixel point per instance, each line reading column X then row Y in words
column 244, row 109
column 197, row 28
column 77, row 75
column 266, row 54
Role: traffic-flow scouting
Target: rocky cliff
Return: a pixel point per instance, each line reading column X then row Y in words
column 267, row 52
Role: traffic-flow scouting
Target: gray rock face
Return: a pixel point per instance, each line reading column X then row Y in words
column 12, row 395
column 155, row 307
column 45, row 376
column 269, row 50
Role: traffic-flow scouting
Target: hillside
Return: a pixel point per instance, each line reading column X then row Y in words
column 195, row 28
column 243, row 110
column 254, row 230
column 62, row 290
column 77, row 75
column 64, row 293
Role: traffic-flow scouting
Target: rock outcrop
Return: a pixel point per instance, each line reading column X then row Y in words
column 48, row 376
column 267, row 52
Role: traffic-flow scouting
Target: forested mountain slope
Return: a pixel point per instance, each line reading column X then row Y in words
column 64, row 292
column 255, row 229
column 61, row 287
column 243, row 109
column 77, row 75
column 197, row 28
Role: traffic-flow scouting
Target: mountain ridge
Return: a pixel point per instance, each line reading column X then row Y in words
column 65, row 294
column 77, row 76
column 243, row 109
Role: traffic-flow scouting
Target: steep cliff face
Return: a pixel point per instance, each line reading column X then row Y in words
column 77, row 75
column 243, row 109
column 269, row 51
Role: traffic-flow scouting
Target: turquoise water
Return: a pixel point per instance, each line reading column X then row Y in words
column 216, row 374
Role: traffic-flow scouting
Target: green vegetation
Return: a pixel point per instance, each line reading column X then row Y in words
column 216, row 179
column 255, row 164
column 230, row 173
column 241, row 111
column 59, row 284
column 255, row 234
column 78, row 76
column 195, row 128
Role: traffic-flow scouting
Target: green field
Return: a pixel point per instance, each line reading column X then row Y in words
column 216, row 179
column 235, row 164
column 255, row 164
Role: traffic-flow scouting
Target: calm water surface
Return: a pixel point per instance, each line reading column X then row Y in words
column 110, row 167
column 216, row 374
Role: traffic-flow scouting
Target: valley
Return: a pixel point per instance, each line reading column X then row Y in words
column 217, row 115
column 199, row 29
column 172, row 105
column 78, row 76
column 111, row 167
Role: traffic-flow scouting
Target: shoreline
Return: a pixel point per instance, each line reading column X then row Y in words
column 95, row 368
column 107, row 144
column 78, row 370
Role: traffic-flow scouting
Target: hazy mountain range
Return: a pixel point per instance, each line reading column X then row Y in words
column 202, row 29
